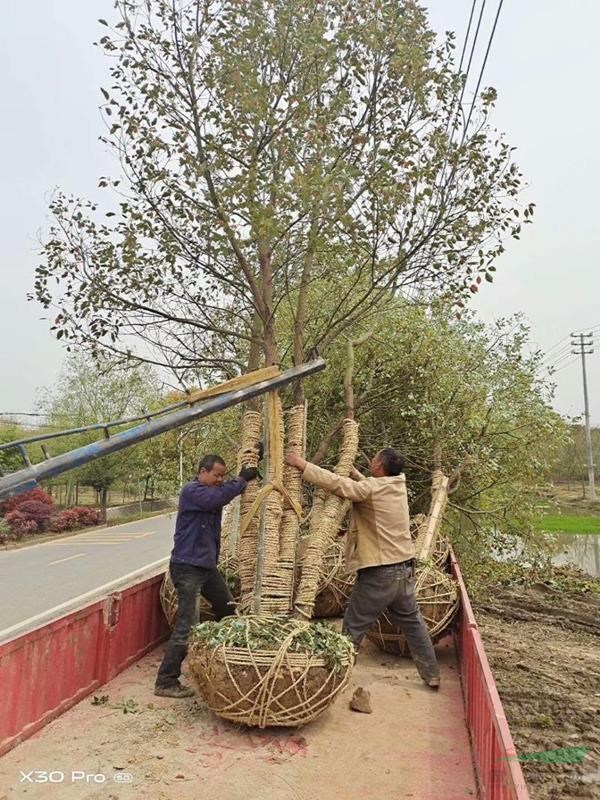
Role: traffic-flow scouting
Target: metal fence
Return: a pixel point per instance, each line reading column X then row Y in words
column 499, row 774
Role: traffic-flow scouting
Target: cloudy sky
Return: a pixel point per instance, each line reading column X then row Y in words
column 542, row 63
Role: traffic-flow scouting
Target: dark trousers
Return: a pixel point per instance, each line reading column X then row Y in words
column 391, row 587
column 188, row 581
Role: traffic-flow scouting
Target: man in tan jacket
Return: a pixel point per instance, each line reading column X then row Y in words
column 380, row 548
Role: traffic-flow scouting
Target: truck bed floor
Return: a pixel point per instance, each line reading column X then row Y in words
column 134, row 745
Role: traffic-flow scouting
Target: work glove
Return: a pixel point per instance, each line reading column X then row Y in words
column 249, row 473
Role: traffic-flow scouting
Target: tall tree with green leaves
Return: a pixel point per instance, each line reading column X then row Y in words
column 269, row 148
column 275, row 153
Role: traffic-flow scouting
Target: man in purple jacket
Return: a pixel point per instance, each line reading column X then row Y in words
column 194, row 558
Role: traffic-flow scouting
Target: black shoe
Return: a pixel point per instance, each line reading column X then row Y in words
column 177, row 690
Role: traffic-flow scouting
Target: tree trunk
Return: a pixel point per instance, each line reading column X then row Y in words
column 248, row 541
column 103, row 502
column 325, row 528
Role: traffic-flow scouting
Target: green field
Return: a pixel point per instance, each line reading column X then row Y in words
column 568, row 523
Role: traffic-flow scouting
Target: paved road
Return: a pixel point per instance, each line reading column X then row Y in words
column 44, row 577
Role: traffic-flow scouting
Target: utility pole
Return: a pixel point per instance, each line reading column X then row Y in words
column 583, row 345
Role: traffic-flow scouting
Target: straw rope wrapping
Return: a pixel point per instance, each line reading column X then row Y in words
column 273, row 579
column 261, row 688
column 275, row 482
column 326, row 528
column 230, row 529
column 269, row 584
column 427, row 536
column 336, row 583
column 168, row 593
column 248, row 539
column 438, row 601
column 278, row 584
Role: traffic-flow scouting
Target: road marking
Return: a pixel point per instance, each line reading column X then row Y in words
column 104, row 538
column 104, row 589
column 68, row 558
column 74, row 538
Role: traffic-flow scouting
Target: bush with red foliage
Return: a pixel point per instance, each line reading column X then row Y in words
column 20, row 524
column 66, row 520
column 87, row 515
column 37, row 495
column 37, row 511
column 71, row 518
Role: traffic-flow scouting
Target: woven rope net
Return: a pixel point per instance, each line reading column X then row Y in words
column 438, row 601
column 336, row 583
column 262, row 687
column 264, row 682
column 168, row 594
column 441, row 553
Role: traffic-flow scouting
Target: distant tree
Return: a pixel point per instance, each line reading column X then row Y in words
column 10, row 460
column 89, row 393
column 571, row 462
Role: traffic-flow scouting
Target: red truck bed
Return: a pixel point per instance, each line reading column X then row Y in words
column 416, row 744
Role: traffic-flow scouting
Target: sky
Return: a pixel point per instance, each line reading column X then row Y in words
column 542, row 62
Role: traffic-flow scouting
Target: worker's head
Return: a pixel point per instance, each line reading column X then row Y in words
column 387, row 462
column 211, row 470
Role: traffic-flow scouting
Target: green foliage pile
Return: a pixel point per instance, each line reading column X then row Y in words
column 270, row 633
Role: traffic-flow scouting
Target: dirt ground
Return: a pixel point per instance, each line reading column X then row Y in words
column 543, row 644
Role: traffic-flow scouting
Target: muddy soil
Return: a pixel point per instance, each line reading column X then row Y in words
column 543, row 644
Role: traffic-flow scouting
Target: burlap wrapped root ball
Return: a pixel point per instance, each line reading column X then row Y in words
column 168, row 595
column 336, row 583
column 437, row 597
column 269, row 671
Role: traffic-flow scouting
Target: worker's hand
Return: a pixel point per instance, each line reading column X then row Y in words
column 260, row 449
column 249, row 473
column 294, row 460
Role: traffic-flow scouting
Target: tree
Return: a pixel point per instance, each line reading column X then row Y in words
column 89, row 393
column 467, row 396
column 10, row 460
column 276, row 154
column 571, row 462
column 271, row 147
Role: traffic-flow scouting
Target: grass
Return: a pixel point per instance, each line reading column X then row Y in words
column 568, row 523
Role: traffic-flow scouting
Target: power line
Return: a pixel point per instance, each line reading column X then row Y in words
column 487, row 52
column 558, row 356
column 564, row 366
column 555, row 345
column 462, row 55
column 590, row 328
column 472, row 53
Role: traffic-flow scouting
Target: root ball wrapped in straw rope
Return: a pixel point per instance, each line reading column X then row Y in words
column 336, row 583
column 264, row 671
column 438, row 600
column 168, row 594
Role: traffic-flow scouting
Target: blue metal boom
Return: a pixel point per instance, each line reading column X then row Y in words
column 27, row 478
